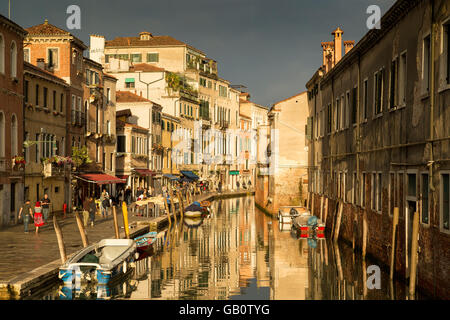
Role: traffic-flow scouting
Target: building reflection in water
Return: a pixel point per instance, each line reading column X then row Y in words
column 238, row 252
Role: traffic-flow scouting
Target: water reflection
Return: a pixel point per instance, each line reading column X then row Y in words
column 239, row 253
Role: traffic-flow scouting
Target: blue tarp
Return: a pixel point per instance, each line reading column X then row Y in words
column 190, row 175
column 171, row 177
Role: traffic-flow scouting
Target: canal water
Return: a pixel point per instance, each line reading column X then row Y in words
column 240, row 253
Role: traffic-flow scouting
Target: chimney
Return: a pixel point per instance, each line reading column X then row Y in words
column 337, row 44
column 40, row 63
column 348, row 45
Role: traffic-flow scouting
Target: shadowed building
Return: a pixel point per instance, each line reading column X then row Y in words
column 379, row 138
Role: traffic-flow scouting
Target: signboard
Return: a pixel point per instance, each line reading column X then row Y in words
column 234, row 173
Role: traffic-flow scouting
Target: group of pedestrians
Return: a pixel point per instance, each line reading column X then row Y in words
column 39, row 214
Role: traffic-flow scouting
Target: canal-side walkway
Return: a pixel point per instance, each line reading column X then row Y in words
column 28, row 260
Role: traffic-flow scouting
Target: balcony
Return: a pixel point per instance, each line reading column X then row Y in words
column 53, row 170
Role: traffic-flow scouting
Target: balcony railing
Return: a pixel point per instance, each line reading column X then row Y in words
column 5, row 165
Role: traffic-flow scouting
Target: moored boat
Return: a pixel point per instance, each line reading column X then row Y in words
column 100, row 262
column 286, row 214
column 309, row 226
column 145, row 241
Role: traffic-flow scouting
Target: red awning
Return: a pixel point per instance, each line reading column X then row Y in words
column 145, row 172
column 100, row 178
column 123, row 177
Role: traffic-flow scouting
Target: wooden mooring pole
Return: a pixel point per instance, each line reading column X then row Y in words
column 116, row 223
column 394, row 241
column 321, row 208
column 82, row 230
column 338, row 221
column 166, row 206
column 180, row 200
column 125, row 220
column 326, row 212
column 172, row 201
column 365, row 231
column 59, row 236
column 414, row 256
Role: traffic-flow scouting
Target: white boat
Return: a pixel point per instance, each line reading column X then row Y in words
column 193, row 222
column 193, row 214
column 286, row 214
column 99, row 262
column 309, row 226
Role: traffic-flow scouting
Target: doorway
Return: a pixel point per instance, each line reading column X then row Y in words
column 410, row 208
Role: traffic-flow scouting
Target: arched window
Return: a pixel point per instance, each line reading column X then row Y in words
column 14, row 137
column 2, row 54
column 13, row 60
column 2, row 135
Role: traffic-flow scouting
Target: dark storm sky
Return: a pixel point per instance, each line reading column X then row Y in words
column 270, row 46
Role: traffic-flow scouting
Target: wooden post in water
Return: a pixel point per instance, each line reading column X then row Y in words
column 307, row 201
column 364, row 240
column 326, row 212
column 338, row 221
column 414, row 256
column 180, row 200
column 172, row 202
column 394, row 241
column 125, row 220
column 59, row 236
column 116, row 223
column 83, row 234
column 166, row 206
column 321, row 208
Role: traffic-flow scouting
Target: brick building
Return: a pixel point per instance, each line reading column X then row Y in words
column 11, row 120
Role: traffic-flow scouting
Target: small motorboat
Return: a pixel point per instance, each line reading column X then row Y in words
column 286, row 214
column 144, row 242
column 309, row 226
column 100, row 262
column 195, row 210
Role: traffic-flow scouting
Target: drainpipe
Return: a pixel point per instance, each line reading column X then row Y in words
column 358, row 133
column 149, row 83
column 432, row 96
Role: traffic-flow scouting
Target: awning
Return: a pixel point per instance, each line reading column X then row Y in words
column 144, row 172
column 123, row 177
column 100, row 178
column 190, row 175
column 171, row 176
column 129, row 80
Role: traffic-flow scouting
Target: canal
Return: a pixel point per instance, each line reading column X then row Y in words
column 240, row 253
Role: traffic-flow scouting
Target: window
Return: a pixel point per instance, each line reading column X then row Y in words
column 45, row 97
column 13, row 60
column 37, row 95
column 363, row 190
column 392, row 193
column 424, row 194
column 223, row 91
column 14, row 136
column 61, row 106
column 26, row 55
column 26, row 86
column 2, row 54
column 354, row 104
column 337, row 116
column 136, row 57
column 153, row 57
column 54, row 100
column 2, row 134
column 426, row 62
column 347, row 110
column 121, row 144
column 329, row 117
column 52, row 58
column 129, row 83
column 445, row 206
column 108, row 95
column 378, row 92
column 133, row 145
column 365, row 99
column 447, row 52
column 402, row 80
column 393, row 99
column 203, row 82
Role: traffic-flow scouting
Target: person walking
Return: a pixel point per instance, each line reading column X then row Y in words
column 45, row 203
column 27, row 214
column 104, row 203
column 220, row 186
column 92, row 211
column 128, row 195
column 38, row 218
column 238, row 184
column 86, row 206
